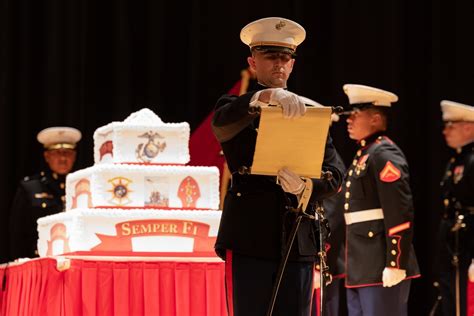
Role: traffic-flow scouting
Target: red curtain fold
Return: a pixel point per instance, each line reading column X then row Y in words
column 122, row 279
column 470, row 298
column 2, row 292
column 151, row 282
column 114, row 288
column 73, row 290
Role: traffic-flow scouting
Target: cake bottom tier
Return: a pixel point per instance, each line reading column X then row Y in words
column 129, row 231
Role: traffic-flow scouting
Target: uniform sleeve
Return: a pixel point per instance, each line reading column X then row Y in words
column 324, row 188
column 392, row 182
column 22, row 242
column 470, row 183
column 232, row 115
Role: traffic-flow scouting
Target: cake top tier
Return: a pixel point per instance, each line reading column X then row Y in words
column 142, row 138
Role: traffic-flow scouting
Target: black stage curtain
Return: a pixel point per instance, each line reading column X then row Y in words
column 87, row 63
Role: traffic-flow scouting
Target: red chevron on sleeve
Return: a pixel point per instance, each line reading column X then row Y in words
column 389, row 173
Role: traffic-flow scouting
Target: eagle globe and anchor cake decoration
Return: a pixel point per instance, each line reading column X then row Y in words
column 139, row 196
column 146, row 152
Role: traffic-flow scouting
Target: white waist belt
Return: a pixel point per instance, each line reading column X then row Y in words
column 363, row 216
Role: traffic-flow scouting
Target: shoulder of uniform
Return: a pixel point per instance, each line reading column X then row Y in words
column 34, row 183
column 470, row 159
column 381, row 143
column 386, row 150
column 33, row 177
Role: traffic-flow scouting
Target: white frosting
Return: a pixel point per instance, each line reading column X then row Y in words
column 84, row 226
column 142, row 138
column 143, row 117
column 143, row 186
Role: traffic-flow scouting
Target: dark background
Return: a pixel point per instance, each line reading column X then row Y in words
column 86, row 63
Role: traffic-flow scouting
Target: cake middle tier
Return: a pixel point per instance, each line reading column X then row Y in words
column 143, row 186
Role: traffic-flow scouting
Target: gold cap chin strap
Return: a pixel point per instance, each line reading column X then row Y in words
column 60, row 146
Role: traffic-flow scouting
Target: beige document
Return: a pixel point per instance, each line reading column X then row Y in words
column 297, row 144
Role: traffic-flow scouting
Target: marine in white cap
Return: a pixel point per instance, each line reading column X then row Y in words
column 456, row 259
column 459, row 123
column 378, row 210
column 256, row 219
column 60, row 147
column 44, row 193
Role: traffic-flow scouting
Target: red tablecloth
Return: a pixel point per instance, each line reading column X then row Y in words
column 95, row 287
column 92, row 287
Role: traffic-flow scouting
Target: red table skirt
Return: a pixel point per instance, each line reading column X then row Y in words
column 109, row 287
column 91, row 287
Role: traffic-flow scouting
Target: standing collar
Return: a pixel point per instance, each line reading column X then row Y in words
column 369, row 139
column 465, row 149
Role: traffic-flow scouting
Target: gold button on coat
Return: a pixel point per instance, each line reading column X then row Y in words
column 394, row 241
column 394, row 252
column 346, row 206
column 43, row 205
column 239, row 194
column 392, row 263
column 371, row 234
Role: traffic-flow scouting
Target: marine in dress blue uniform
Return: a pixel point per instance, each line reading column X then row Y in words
column 42, row 194
column 380, row 259
column 335, row 297
column 256, row 219
column 457, row 220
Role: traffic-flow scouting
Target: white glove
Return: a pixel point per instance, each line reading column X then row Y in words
column 316, row 279
column 290, row 182
column 291, row 104
column 470, row 272
column 391, row 276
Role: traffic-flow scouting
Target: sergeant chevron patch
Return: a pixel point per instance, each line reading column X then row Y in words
column 389, row 173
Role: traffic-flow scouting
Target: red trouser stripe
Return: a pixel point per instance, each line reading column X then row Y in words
column 228, row 282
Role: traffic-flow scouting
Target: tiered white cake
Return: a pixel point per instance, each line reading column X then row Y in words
column 138, row 197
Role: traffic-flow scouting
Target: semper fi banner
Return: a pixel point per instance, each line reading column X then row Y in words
column 125, row 231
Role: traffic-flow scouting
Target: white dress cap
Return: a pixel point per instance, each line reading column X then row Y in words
column 454, row 111
column 273, row 31
column 364, row 94
column 59, row 137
